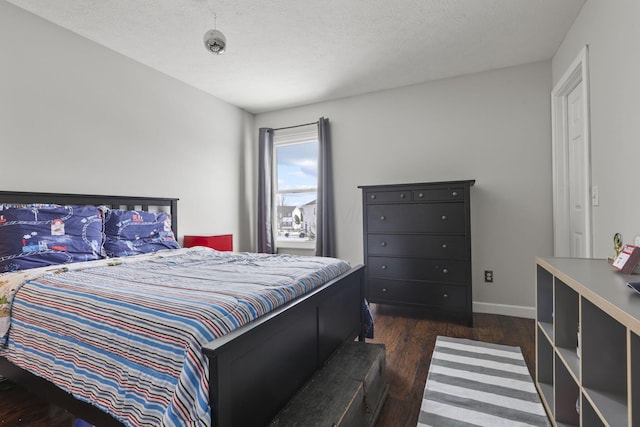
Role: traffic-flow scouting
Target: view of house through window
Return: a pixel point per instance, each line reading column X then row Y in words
column 296, row 182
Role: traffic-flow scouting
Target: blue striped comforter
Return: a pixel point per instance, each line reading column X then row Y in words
column 127, row 337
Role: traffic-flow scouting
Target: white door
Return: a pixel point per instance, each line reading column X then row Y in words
column 578, row 163
column 572, row 162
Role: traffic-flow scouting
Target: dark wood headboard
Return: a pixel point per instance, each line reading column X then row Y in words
column 115, row 202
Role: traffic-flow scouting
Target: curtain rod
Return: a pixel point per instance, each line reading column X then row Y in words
column 296, row 126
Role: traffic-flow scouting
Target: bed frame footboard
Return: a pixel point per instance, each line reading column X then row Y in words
column 256, row 370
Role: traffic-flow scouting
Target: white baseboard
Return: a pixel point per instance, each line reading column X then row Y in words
column 506, row 310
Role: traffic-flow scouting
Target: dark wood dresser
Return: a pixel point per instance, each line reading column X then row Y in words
column 417, row 246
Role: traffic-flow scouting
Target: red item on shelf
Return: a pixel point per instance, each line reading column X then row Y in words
column 628, row 259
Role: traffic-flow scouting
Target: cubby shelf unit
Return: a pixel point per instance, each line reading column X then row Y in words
column 587, row 343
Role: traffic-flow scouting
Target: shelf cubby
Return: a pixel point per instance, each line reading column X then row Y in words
column 567, row 325
column 544, row 298
column 544, row 367
column 566, row 395
column 635, row 379
column 604, row 363
column 589, row 416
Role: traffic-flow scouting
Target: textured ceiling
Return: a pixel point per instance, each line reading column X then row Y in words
column 285, row 53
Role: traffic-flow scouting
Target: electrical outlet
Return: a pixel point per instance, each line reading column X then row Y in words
column 488, row 276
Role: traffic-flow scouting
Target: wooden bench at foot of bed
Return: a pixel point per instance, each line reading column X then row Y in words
column 348, row 392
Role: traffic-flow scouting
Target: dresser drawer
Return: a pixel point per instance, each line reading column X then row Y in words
column 416, row 245
column 437, row 296
column 439, row 194
column 448, row 271
column 417, row 218
column 397, row 196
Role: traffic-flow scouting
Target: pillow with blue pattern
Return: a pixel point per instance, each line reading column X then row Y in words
column 130, row 232
column 39, row 235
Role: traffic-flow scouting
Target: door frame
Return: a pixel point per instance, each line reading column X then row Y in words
column 577, row 72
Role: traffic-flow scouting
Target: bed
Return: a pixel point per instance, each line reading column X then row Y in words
column 252, row 370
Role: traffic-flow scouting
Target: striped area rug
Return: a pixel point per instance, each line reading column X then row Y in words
column 471, row 383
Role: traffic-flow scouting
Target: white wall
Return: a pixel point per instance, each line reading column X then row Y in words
column 76, row 117
column 611, row 30
column 493, row 127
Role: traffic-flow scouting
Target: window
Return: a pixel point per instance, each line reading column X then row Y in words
column 296, row 184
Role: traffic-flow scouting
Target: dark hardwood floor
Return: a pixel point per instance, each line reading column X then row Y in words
column 21, row 408
column 409, row 336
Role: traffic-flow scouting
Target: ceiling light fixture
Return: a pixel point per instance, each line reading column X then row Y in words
column 214, row 41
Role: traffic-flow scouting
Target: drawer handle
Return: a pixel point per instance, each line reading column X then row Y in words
column 383, row 244
column 445, row 271
column 444, row 217
column 444, row 246
column 445, row 295
column 402, row 195
column 373, row 196
column 420, row 195
column 382, row 218
column 384, row 267
column 384, row 289
column 454, row 194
